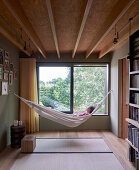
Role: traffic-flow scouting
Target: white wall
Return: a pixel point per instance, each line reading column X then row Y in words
column 120, row 53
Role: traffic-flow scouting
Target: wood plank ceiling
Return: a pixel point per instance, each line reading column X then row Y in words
column 69, row 26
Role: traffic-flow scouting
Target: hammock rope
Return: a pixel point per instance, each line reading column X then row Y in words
column 70, row 120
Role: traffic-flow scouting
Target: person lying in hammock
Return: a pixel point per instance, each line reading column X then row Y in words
column 88, row 111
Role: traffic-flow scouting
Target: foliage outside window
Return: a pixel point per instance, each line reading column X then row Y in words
column 74, row 88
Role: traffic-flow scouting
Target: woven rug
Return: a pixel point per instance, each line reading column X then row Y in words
column 71, row 145
column 68, row 154
column 70, row 161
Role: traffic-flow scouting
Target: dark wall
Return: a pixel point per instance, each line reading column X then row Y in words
column 79, row 58
column 9, row 105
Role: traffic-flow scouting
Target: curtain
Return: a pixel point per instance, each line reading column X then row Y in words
column 28, row 90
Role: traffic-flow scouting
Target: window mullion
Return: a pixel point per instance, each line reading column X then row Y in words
column 71, row 90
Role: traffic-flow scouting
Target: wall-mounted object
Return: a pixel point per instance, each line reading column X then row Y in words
column 11, row 66
column 6, row 54
column 5, row 76
column 4, row 90
column 6, row 64
column 10, row 78
column 1, row 72
column 1, row 56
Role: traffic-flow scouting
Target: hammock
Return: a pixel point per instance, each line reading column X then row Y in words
column 70, row 120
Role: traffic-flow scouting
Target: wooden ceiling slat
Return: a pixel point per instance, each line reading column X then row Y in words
column 53, row 26
column 88, row 6
column 120, row 10
column 17, row 11
column 6, row 34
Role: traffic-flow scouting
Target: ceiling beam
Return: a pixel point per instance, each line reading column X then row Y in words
column 118, row 11
column 18, row 13
column 88, row 6
column 13, row 40
column 50, row 13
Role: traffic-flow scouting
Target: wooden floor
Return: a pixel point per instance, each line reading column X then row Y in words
column 117, row 145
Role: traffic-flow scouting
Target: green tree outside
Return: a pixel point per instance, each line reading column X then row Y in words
column 89, row 88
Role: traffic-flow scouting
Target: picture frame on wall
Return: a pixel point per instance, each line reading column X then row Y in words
column 6, row 54
column 1, row 73
column 6, row 64
column 10, row 78
column 4, row 88
column 5, row 76
column 1, row 56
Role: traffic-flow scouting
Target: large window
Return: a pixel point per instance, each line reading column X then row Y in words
column 74, row 88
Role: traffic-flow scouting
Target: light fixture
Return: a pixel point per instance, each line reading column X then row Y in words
column 116, row 37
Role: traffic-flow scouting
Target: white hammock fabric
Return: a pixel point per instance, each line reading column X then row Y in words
column 70, row 120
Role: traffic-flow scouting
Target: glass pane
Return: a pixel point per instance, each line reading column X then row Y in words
column 55, row 87
column 89, row 87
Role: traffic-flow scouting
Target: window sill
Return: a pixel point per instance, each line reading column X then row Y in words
column 101, row 114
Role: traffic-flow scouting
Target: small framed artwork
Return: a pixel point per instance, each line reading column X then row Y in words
column 6, row 54
column 10, row 78
column 1, row 56
column 6, row 64
column 4, row 90
column 5, row 75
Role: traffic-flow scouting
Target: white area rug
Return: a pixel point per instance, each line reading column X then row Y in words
column 57, row 145
column 76, row 161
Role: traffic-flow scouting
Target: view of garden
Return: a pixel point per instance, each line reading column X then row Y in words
column 88, row 87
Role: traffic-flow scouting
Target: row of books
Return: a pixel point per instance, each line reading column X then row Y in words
column 133, row 135
column 134, row 113
column 136, row 65
column 135, row 98
column 135, row 81
column 133, row 156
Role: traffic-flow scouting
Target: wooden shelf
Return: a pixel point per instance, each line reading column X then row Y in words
column 134, row 72
column 134, row 105
column 132, row 145
column 133, row 122
column 134, row 89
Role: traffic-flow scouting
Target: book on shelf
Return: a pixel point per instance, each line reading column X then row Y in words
column 136, row 55
column 135, row 65
column 136, row 40
column 133, row 135
column 135, row 81
column 132, row 154
column 134, row 113
column 135, row 98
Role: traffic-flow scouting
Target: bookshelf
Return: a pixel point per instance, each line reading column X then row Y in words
column 134, row 105
column 134, row 89
column 133, row 120
column 134, row 72
column 132, row 145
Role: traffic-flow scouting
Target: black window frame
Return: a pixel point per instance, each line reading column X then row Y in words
column 72, row 65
